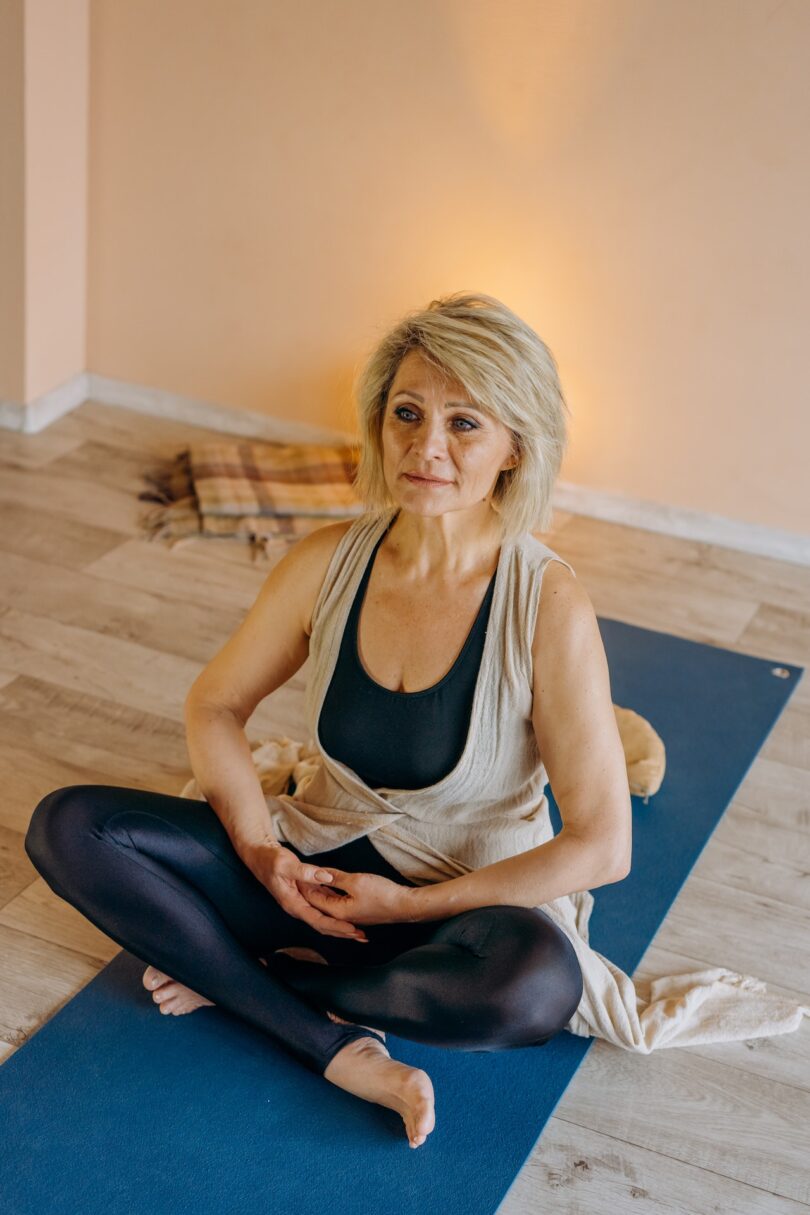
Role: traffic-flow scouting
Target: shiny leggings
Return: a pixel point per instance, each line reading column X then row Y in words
column 159, row 875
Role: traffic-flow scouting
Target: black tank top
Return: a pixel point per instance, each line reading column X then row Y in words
column 399, row 740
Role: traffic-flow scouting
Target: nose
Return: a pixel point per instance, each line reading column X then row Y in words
column 430, row 440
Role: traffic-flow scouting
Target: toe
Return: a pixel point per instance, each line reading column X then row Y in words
column 177, row 1001
column 152, row 978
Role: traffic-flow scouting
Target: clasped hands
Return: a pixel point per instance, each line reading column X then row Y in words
column 360, row 898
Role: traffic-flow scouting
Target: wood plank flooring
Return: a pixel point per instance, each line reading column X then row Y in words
column 102, row 632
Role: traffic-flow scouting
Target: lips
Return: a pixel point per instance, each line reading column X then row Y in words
column 425, row 480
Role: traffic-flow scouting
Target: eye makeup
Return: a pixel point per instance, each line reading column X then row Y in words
column 468, row 429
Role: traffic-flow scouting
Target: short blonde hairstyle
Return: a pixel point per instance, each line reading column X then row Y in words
column 507, row 371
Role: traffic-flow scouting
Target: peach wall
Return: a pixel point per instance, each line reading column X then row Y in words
column 12, row 202
column 57, row 49
column 44, row 53
column 272, row 184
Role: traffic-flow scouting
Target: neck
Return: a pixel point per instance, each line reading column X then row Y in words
column 454, row 545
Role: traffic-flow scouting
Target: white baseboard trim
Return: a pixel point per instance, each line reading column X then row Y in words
column 232, row 420
column 87, row 386
column 598, row 504
column 39, row 413
column 683, row 522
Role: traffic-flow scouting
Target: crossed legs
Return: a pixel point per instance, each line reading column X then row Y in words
column 159, row 875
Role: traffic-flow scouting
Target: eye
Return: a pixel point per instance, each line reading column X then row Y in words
column 466, row 428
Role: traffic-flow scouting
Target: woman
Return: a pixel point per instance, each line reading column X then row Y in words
column 430, row 727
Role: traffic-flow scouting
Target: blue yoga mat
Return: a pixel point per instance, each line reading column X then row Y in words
column 111, row 1108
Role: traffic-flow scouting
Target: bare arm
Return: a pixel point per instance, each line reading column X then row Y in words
column 269, row 646
column 579, row 742
column 221, row 761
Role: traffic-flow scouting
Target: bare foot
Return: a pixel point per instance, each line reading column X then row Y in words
column 174, row 997
column 365, row 1068
column 362, row 1067
column 310, row 955
column 171, row 996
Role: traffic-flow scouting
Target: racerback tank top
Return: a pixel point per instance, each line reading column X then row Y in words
column 404, row 740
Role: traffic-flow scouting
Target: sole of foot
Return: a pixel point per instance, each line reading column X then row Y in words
column 365, row 1068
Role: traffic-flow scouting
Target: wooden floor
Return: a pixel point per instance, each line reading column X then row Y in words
column 102, row 634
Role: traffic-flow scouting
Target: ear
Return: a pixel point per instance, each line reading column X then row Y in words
column 513, row 459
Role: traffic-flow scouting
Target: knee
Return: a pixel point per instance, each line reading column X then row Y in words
column 545, row 978
column 556, row 958
column 57, row 823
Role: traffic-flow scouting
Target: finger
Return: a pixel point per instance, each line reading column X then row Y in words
column 357, row 933
column 310, row 891
column 331, row 898
column 329, row 927
column 333, row 873
column 314, row 873
column 332, row 925
column 326, row 923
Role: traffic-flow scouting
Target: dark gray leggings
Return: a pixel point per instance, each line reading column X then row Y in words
column 159, row 875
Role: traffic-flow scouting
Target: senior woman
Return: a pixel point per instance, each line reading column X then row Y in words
column 443, row 675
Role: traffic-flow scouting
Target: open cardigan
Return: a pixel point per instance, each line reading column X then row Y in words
column 490, row 806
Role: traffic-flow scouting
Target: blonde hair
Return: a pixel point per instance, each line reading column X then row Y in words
column 507, row 371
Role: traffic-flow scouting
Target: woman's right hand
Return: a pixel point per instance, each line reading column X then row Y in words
column 280, row 871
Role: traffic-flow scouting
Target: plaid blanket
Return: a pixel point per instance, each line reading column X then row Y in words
column 268, row 494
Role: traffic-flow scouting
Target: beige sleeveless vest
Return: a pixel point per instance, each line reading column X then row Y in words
column 492, row 805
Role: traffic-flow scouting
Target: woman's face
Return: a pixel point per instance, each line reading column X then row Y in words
column 432, row 430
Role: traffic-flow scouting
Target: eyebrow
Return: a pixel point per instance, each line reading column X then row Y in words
column 407, row 392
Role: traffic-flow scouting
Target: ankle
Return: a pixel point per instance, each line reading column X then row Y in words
column 347, row 1057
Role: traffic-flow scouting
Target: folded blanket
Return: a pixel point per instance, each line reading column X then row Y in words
column 269, row 494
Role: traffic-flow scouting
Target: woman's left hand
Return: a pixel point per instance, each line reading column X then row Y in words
column 369, row 898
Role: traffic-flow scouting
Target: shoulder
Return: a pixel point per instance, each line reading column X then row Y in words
column 564, row 605
column 559, row 585
column 305, row 564
column 566, row 636
column 565, row 612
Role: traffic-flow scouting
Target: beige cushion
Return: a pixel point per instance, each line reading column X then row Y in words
column 643, row 750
